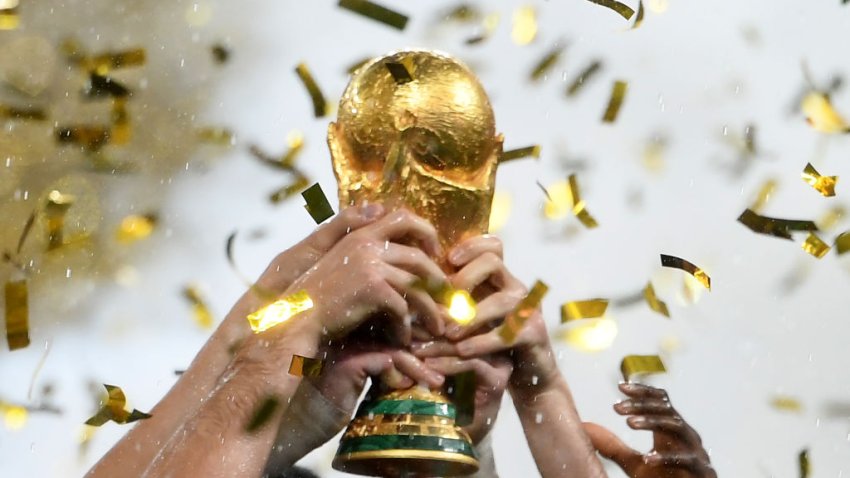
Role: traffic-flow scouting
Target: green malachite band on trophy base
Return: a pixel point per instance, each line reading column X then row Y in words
column 409, row 407
column 404, row 442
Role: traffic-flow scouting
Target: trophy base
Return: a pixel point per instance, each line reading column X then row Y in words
column 406, row 463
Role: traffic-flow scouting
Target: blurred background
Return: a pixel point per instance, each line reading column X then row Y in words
column 151, row 155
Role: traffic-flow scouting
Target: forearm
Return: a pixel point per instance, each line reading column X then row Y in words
column 550, row 418
column 135, row 451
column 486, row 461
column 215, row 441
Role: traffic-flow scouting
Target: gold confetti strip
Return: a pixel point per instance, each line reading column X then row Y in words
column 653, row 154
column 90, row 137
column 823, row 184
column 105, row 62
column 216, row 135
column 786, row 404
column 679, row 263
column 301, row 366
column 524, row 25
column 279, row 311
column 320, row 106
column 376, row 12
column 618, row 94
column 624, row 10
column 462, row 13
column 287, row 191
column 102, row 86
column 120, row 131
column 15, row 113
column 815, row 246
column 653, row 301
column 585, row 76
column 220, row 53
column 461, row 306
column 767, row 189
column 519, row 153
column 772, row 226
column 263, row 414
column 546, row 63
column 821, row 115
column 9, row 17
column 114, row 410
column 401, row 71
column 57, row 205
column 25, row 232
column 17, row 314
column 639, row 17
column 317, row 203
column 14, row 416
column 135, row 227
column 488, row 27
column 295, row 143
column 514, row 322
column 579, row 207
column 200, row 311
column 842, row 243
column 583, row 309
column 750, row 139
column 803, row 460
column 640, row 365
column 590, row 335
column 499, row 212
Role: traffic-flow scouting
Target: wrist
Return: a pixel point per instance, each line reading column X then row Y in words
column 535, row 372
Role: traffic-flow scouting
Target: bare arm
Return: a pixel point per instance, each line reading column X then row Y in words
column 135, row 451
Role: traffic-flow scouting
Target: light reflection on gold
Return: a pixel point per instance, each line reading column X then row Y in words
column 822, row 184
column 821, row 115
column 525, row 25
column 14, row 416
column 815, row 246
column 280, row 311
column 461, row 307
column 590, row 335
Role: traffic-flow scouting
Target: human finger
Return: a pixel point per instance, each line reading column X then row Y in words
column 611, row 446
column 403, row 223
column 348, row 220
column 491, row 374
column 434, row 348
column 687, row 461
column 489, row 312
column 401, row 280
column 647, row 406
column 484, row 344
column 639, row 390
column 473, row 247
column 416, row 369
column 415, row 261
column 486, row 267
column 391, row 300
column 669, row 425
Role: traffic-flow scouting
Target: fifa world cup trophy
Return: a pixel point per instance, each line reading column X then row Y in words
column 415, row 129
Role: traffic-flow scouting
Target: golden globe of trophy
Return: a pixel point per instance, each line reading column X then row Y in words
column 415, row 129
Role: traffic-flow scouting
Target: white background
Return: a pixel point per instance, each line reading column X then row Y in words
column 692, row 74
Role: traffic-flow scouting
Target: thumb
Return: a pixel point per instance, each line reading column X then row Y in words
column 610, row 446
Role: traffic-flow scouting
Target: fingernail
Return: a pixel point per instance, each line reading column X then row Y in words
column 638, row 420
column 372, row 211
column 455, row 256
column 453, row 331
column 463, row 349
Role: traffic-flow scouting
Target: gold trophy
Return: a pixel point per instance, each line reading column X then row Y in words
column 415, row 129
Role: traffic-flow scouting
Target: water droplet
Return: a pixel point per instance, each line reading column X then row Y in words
column 538, row 418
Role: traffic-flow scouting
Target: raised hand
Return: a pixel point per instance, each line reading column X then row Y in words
column 677, row 450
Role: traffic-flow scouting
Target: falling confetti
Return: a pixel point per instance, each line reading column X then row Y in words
column 842, row 243
column 301, row 366
column 618, row 94
column 822, row 184
column 317, row 203
column 584, row 77
column 579, row 208
column 641, row 365
column 461, row 306
column 519, row 153
column 773, row 226
column 55, row 210
column 679, row 263
column 17, row 314
column 499, row 212
column 524, row 25
column 624, row 10
column 522, row 312
column 135, row 227
column 786, row 404
column 583, row 309
column 815, row 246
column 320, row 106
column 590, row 335
column 200, row 311
column 546, row 63
column 375, row 12
column 765, row 192
column 821, row 115
column 279, row 311
column 114, row 410
column 653, row 301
